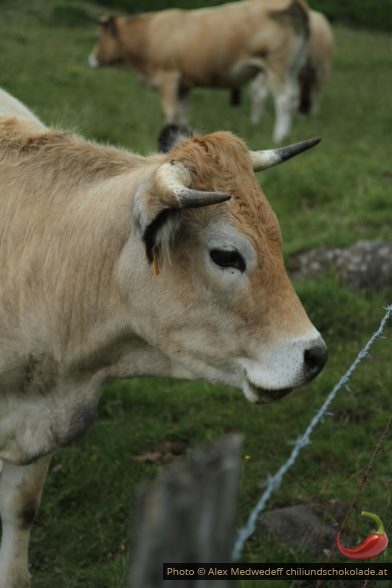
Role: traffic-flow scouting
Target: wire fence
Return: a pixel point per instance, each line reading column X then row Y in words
column 275, row 481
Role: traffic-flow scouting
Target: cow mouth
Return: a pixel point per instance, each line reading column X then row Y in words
column 260, row 395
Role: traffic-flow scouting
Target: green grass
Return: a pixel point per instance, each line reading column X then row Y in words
column 366, row 13
column 333, row 196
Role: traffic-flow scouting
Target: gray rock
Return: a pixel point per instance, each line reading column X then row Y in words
column 366, row 265
column 298, row 527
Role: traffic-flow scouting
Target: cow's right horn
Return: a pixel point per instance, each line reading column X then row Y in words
column 270, row 157
column 173, row 180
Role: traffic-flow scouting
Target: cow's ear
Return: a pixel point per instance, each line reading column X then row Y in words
column 172, row 134
column 109, row 24
column 157, row 220
column 158, row 224
column 158, row 237
column 158, row 203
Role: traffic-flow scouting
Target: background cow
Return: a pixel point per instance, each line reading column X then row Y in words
column 106, row 257
column 313, row 75
column 174, row 51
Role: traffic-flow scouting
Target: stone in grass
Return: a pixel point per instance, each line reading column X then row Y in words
column 298, row 527
column 366, row 265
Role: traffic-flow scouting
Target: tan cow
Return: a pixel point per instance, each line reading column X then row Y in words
column 224, row 46
column 313, row 75
column 115, row 265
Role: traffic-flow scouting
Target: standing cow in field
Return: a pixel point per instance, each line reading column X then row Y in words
column 175, row 50
column 115, row 265
column 313, row 75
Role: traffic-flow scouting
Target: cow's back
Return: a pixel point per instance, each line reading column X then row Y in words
column 10, row 106
column 205, row 44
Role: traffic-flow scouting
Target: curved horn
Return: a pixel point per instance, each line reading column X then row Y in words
column 189, row 198
column 270, row 157
column 174, row 179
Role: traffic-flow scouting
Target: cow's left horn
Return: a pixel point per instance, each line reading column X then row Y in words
column 189, row 198
column 270, row 157
column 174, row 179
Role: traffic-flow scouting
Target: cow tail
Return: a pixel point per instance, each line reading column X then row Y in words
column 302, row 67
column 296, row 16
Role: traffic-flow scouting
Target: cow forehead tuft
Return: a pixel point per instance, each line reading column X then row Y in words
column 220, row 154
column 221, row 161
column 223, row 142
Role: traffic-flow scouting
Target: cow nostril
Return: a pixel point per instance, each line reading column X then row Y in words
column 315, row 359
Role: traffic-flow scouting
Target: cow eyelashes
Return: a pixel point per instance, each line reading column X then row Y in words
column 225, row 258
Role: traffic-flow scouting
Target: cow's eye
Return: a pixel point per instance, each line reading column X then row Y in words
column 228, row 258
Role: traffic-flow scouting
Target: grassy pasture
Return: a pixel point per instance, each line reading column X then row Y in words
column 333, row 196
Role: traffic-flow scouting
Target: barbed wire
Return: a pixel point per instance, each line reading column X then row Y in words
column 274, row 482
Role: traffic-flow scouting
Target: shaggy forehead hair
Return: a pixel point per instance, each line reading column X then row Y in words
column 221, row 161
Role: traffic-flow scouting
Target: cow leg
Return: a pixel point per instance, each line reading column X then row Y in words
column 286, row 99
column 20, row 494
column 183, row 104
column 235, row 97
column 258, row 93
column 316, row 91
column 168, row 86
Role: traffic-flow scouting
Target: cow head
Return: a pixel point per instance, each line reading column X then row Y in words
column 216, row 299
column 107, row 50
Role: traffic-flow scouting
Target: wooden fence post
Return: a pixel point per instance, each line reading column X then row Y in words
column 188, row 515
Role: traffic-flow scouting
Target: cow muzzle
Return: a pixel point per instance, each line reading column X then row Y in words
column 315, row 359
column 283, row 368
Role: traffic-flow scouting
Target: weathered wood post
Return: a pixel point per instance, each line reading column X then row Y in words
column 188, row 515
